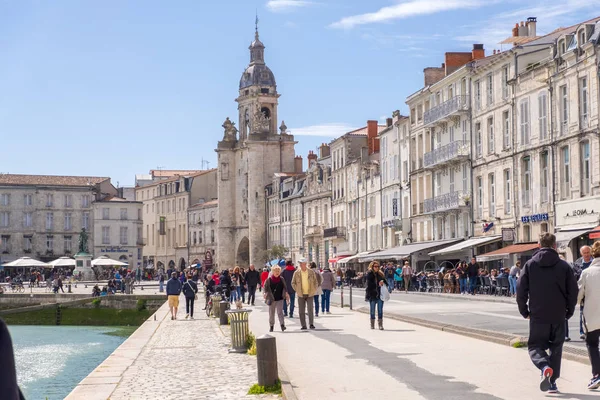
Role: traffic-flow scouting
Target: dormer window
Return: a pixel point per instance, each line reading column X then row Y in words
column 562, row 47
column 581, row 37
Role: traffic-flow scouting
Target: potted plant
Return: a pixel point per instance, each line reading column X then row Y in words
column 466, row 199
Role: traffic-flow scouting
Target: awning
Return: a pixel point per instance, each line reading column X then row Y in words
column 467, row 244
column 354, row 258
column 563, row 238
column 401, row 252
column 336, row 259
column 505, row 252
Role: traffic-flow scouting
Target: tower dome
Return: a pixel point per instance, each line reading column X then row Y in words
column 257, row 73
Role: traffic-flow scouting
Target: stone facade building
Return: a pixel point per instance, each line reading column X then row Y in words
column 203, row 228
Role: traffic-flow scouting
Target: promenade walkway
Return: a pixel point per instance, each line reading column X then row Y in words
column 165, row 359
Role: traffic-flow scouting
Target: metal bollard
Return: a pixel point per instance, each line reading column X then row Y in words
column 69, row 288
column 222, row 311
column 351, row 297
column 239, row 330
column 342, row 295
column 266, row 360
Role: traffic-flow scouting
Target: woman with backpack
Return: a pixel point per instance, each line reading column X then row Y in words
column 190, row 290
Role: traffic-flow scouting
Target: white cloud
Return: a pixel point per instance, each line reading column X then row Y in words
column 407, row 9
column 335, row 129
column 287, row 5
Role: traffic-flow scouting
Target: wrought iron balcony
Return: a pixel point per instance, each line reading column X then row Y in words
column 447, row 201
column 337, row 232
column 454, row 151
column 446, row 109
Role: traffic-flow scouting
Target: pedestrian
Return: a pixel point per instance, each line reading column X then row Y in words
column 546, row 295
column 8, row 378
column 581, row 264
column 313, row 266
column 327, row 285
column 305, row 283
column 375, row 280
column 236, row 280
column 338, row 277
column 252, row 280
column 513, row 276
column 398, row 280
column 288, row 274
column 462, row 277
column 473, row 274
column 243, row 284
column 263, row 276
column 60, row 284
column 226, row 284
column 275, row 293
column 173, row 292
column 390, row 273
column 407, row 273
column 190, row 291
column 161, row 282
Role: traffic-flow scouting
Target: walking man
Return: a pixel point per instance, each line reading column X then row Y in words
column 252, row 280
column 546, row 295
column 288, row 274
column 173, row 291
column 581, row 265
column 473, row 274
column 513, row 276
column 305, row 284
column 407, row 273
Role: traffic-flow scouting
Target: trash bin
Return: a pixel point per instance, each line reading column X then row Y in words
column 216, row 299
column 238, row 321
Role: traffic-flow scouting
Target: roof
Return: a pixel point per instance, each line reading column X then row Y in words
column 506, row 251
column 555, row 34
column 50, row 180
column 117, row 200
column 406, row 250
column 212, row 203
column 200, row 173
column 467, row 244
column 167, row 173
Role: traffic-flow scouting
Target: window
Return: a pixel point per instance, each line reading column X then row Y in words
column 544, row 177
column 581, row 37
column 563, row 99
column 27, row 219
column 505, row 130
column 492, row 182
column 68, row 222
column 585, row 168
column 68, row 200
column 49, row 221
column 505, row 82
column 106, row 213
column 526, row 185
column 405, row 171
column 451, row 176
column 85, row 222
column 68, row 244
column 507, row 191
column 565, row 187
column 27, row 243
column 490, row 89
column 212, row 236
column 106, row 235
column 526, row 233
column 477, row 85
column 123, row 213
column 4, row 199
column 464, row 130
column 49, row 200
column 583, row 103
column 478, row 140
column 4, row 219
column 543, row 115
column 28, row 200
column 438, row 183
column 123, row 236
column 491, row 147
column 524, row 122
column 479, row 197
column 49, row 243
column 465, row 178
column 85, row 200
column 5, row 243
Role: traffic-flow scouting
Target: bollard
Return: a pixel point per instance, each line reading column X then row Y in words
column 350, row 297
column 266, row 360
column 215, row 305
column 222, row 315
column 342, row 295
column 69, row 288
column 239, row 330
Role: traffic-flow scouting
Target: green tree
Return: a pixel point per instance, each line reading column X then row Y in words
column 278, row 251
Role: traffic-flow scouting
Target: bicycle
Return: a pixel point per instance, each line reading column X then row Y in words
column 209, row 301
column 17, row 287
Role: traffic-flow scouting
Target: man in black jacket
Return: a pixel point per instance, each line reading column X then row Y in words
column 473, row 274
column 252, row 280
column 9, row 390
column 546, row 295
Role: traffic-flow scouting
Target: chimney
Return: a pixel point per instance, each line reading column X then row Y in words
column 531, row 26
column 312, row 158
column 298, row 164
column 478, row 52
column 523, row 31
column 324, row 150
column 372, row 139
column 515, row 30
column 389, row 122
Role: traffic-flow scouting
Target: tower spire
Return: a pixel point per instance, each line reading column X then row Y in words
column 256, row 26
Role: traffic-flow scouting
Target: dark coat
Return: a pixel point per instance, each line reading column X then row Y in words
column 547, row 289
column 373, row 290
column 275, row 292
column 252, row 278
column 9, row 390
column 288, row 274
column 190, row 288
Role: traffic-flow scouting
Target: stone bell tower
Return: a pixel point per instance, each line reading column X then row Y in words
column 248, row 158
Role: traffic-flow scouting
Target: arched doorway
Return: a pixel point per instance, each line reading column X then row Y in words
column 171, row 264
column 243, row 253
column 182, row 263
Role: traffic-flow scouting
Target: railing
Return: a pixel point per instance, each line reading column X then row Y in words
column 448, row 152
column 447, row 201
column 337, row 232
column 449, row 107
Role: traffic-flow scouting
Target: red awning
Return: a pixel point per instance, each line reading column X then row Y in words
column 506, row 251
column 595, row 234
column 336, row 259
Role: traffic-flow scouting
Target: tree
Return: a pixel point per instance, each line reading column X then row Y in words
column 278, row 252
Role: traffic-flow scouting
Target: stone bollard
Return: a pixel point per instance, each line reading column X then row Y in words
column 215, row 305
column 239, row 329
column 222, row 315
column 69, row 288
column 266, row 360
column 350, row 296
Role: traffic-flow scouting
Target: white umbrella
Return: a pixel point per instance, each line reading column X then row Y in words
column 26, row 262
column 105, row 261
column 63, row 262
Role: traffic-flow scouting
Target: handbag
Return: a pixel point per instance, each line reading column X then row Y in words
column 319, row 291
column 385, row 293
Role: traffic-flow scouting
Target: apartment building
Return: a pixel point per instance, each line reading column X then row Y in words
column 291, row 203
column 202, row 226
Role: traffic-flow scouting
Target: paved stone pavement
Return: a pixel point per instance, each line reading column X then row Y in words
column 344, row 359
column 181, row 359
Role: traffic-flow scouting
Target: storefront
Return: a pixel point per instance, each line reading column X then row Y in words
column 462, row 251
column 509, row 255
column 417, row 253
column 574, row 221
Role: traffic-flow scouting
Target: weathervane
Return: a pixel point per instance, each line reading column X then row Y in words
column 256, row 24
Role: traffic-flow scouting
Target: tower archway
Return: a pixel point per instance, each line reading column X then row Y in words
column 243, row 253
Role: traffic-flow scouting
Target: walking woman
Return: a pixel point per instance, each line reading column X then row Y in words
column 327, row 285
column 237, row 279
column 190, row 290
column 313, row 266
column 375, row 280
column 275, row 292
column 589, row 292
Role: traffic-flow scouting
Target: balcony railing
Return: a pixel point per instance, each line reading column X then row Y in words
column 447, row 108
column 314, row 230
column 337, row 232
column 456, row 150
column 447, row 201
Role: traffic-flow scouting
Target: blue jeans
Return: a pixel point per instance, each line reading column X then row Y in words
column 512, row 282
column 316, row 297
column 161, row 287
column 235, row 295
column 463, row 285
column 325, row 300
column 390, row 282
column 379, row 304
column 292, row 305
column 472, row 284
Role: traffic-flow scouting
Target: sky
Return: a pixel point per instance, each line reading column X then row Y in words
column 118, row 87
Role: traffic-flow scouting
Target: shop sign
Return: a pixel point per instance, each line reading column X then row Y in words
column 508, row 235
column 535, row 218
column 113, row 249
column 578, row 211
